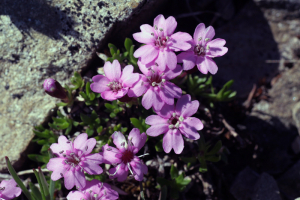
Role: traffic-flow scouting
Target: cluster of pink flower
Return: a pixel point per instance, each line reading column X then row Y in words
column 159, row 64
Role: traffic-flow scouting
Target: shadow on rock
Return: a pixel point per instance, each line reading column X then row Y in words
column 38, row 15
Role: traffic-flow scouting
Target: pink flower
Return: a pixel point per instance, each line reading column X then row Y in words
column 54, row 89
column 175, row 120
column 123, row 157
column 114, row 84
column 94, row 190
column 161, row 42
column 8, row 189
column 73, row 160
column 156, row 87
column 203, row 50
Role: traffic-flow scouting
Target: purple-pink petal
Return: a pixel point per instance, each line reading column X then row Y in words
column 161, row 61
column 91, row 167
column 182, row 104
column 199, row 32
column 56, row 165
column 119, row 140
column 170, row 74
column 181, row 41
column 209, row 33
column 170, row 59
column 80, row 141
column 157, row 130
column 188, row 59
column 210, row 65
column 148, row 99
column 111, row 95
column 167, row 141
column 138, row 89
column 146, row 28
column 147, row 53
column 121, row 173
column 171, row 90
column 137, row 139
column 143, row 37
column 139, row 170
column 170, row 25
column 96, row 158
column 79, row 179
column 112, row 71
column 62, row 145
column 128, row 77
column 166, row 111
column 177, row 141
column 190, row 109
column 10, row 191
column 69, row 179
column 155, row 119
column 100, row 84
column 109, row 155
column 159, row 21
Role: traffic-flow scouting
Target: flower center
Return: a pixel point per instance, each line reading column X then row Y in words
column 201, row 48
column 90, row 195
column 127, row 156
column 115, row 86
column 160, row 40
column 175, row 121
column 72, row 159
column 156, row 79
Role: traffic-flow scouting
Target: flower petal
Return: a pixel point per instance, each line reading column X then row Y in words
column 147, row 53
column 159, row 21
column 170, row 59
column 119, row 139
column 188, row 59
column 96, row 158
column 157, row 130
column 166, row 111
column 109, row 155
column 111, row 96
column 189, row 128
column 177, row 141
column 182, row 104
column 137, row 139
column 92, row 168
column 112, row 71
column 181, row 41
column 100, row 84
column 10, row 191
column 155, row 119
column 209, row 33
column 138, row 170
column 161, row 61
column 210, row 65
column 170, row 26
column 199, row 33
column 69, row 179
column 200, row 65
column 121, row 173
column 146, row 28
column 171, row 74
column 167, row 141
column 80, row 140
column 216, row 48
column 169, row 92
column 128, row 77
column 144, row 37
column 190, row 109
column 62, row 145
column 57, row 165
column 75, row 195
column 79, row 179
column 148, row 99
column 138, row 89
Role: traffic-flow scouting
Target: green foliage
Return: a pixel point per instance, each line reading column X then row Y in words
column 203, row 87
column 126, row 56
column 113, row 109
column 92, row 121
column 90, row 98
column 140, row 124
column 208, row 153
column 61, row 122
column 176, row 185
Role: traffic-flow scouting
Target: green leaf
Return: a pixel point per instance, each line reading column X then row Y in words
column 85, row 119
column 158, row 146
column 128, row 44
column 215, row 149
column 35, row 192
column 51, row 188
column 113, row 49
column 99, row 129
column 40, row 183
column 17, row 179
column 138, row 124
column 89, row 132
column 39, row 158
column 174, row 172
column 44, row 184
column 214, row 158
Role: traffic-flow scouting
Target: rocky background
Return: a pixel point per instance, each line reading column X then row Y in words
column 54, row 38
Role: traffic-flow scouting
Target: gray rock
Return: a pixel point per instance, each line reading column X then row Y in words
column 41, row 39
column 289, row 182
column 243, row 186
column 266, row 188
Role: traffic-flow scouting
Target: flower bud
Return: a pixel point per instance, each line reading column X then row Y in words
column 54, row 89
